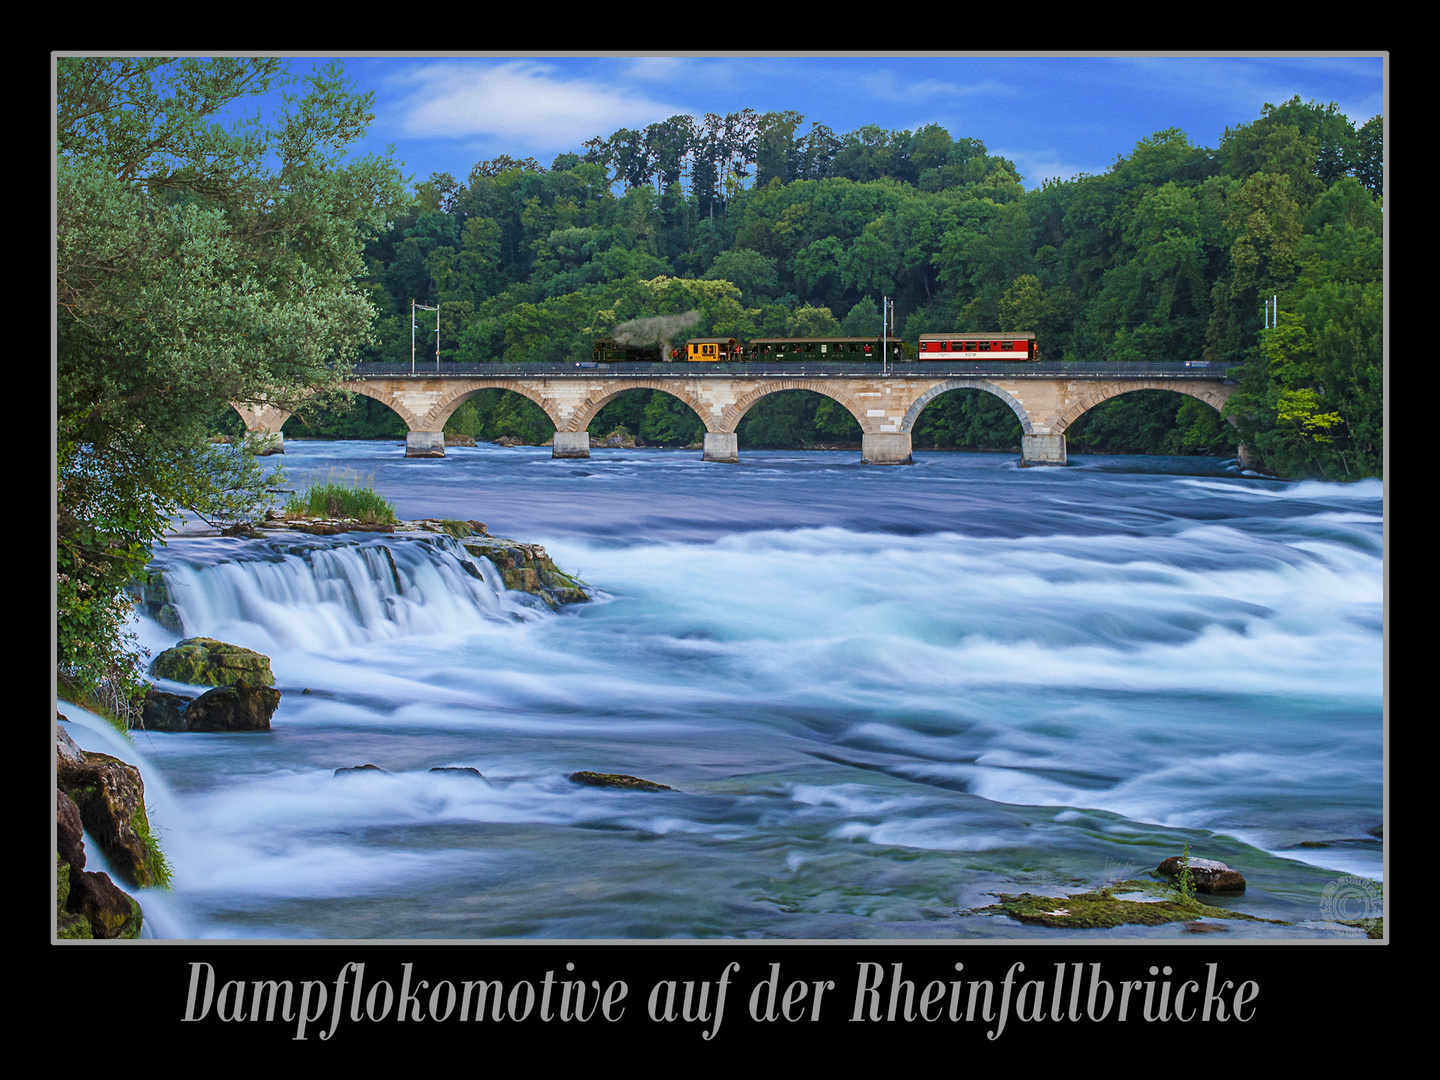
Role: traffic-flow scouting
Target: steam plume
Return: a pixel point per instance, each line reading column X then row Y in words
column 655, row 331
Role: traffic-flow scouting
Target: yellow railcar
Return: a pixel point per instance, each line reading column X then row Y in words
column 713, row 350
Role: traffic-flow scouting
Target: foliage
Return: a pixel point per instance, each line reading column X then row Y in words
column 157, row 868
column 199, row 262
column 1184, row 880
column 354, row 417
column 494, row 414
column 775, row 224
column 967, row 420
column 1151, row 422
column 103, row 539
column 224, row 484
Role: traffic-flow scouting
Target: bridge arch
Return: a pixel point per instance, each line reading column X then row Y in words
column 389, row 399
column 1214, row 396
column 262, row 419
column 731, row 415
column 912, row 414
column 590, row 408
column 455, row 396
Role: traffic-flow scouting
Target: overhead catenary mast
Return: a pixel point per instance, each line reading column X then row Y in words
column 424, row 307
column 887, row 323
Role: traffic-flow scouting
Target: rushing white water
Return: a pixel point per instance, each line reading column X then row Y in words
column 880, row 693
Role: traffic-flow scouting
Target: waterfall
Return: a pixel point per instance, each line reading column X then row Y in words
column 323, row 593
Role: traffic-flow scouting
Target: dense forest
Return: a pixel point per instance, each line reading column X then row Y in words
column 748, row 225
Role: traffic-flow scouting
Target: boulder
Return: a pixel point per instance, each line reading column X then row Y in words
column 527, row 568
column 69, row 831
column 1209, row 875
column 163, row 712
column 203, row 661
column 95, row 902
column 463, row 770
column 241, row 707
column 87, row 904
column 617, row 780
column 109, row 797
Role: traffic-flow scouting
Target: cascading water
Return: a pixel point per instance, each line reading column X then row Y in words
column 880, row 695
column 326, row 593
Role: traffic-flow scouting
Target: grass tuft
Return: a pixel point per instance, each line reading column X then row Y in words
column 341, row 496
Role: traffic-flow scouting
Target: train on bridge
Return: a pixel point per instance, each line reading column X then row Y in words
column 1007, row 345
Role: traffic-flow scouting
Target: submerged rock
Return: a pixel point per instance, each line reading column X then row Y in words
column 203, row 661
column 617, row 780
column 1103, row 910
column 350, row 769
column 463, row 770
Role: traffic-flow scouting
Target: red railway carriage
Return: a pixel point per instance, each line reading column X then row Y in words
column 981, row 345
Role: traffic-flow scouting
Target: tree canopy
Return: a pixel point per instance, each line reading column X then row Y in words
column 1171, row 254
column 203, row 257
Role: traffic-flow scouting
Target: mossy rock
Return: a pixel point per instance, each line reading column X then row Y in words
column 1103, row 910
column 109, row 795
column 527, row 568
column 68, row 925
column 151, row 592
column 202, row 661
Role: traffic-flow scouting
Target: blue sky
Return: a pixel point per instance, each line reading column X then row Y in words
column 1054, row 116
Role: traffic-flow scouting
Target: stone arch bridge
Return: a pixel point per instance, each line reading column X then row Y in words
column 1046, row 399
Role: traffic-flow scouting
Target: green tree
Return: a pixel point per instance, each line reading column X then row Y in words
column 811, row 321
column 198, row 262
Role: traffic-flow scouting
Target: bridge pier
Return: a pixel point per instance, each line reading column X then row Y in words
column 275, row 444
column 886, row 448
column 1042, row 450
column 571, row 444
column 424, row 444
column 722, row 446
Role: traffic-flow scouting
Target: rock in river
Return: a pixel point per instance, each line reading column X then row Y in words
column 203, row 661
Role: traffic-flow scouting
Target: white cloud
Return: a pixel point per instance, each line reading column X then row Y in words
column 887, row 86
column 527, row 102
column 1038, row 166
column 659, row 68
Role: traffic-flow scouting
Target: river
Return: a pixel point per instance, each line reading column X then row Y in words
column 882, row 694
